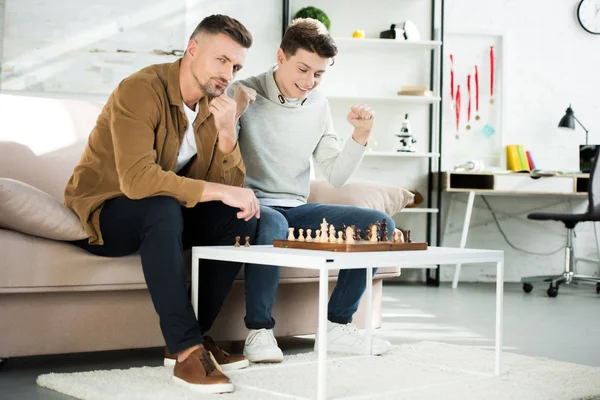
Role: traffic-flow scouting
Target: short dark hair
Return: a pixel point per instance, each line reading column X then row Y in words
column 217, row 23
column 308, row 34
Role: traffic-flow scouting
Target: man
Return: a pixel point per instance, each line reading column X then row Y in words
column 162, row 172
column 287, row 124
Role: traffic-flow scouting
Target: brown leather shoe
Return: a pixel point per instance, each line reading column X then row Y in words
column 227, row 362
column 201, row 373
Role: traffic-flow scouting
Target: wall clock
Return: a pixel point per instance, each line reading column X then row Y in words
column 588, row 14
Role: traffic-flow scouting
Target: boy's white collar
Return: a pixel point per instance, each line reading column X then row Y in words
column 275, row 94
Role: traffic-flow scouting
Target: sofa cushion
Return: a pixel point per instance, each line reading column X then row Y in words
column 26, row 209
column 387, row 198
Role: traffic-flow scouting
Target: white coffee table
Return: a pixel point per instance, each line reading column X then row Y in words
column 325, row 261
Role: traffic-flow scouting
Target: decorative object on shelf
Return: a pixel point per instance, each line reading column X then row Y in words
column 588, row 15
column 477, row 94
column 405, row 137
column 492, row 66
column 415, row 90
column 411, row 32
column 568, row 122
column 358, row 34
column 393, row 33
column 313, row 12
column 469, row 102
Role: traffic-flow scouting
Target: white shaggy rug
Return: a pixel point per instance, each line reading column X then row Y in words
column 425, row 370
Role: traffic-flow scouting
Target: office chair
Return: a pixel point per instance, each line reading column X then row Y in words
column 570, row 220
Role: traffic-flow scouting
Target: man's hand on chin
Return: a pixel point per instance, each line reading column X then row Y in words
column 361, row 117
column 223, row 109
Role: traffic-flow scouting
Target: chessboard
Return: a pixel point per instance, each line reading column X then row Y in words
column 349, row 239
column 357, row 246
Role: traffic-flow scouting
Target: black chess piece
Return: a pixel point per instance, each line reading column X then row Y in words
column 368, row 234
column 247, row 244
column 378, row 230
column 237, row 241
column 344, row 232
column 384, row 232
column 358, row 238
column 407, row 236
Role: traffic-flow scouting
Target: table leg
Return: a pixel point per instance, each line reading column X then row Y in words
column 447, row 216
column 195, row 272
column 322, row 332
column 499, row 315
column 369, row 313
column 463, row 237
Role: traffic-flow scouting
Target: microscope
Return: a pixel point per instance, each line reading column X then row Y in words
column 405, row 137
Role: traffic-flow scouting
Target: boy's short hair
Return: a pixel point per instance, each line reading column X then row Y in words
column 217, row 23
column 308, row 34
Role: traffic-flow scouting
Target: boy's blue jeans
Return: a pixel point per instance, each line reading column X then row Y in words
column 261, row 281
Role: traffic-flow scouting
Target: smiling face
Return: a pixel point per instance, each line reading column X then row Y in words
column 298, row 74
column 214, row 62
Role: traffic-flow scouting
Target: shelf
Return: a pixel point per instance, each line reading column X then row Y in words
column 386, row 43
column 400, row 154
column 420, row 210
column 397, row 99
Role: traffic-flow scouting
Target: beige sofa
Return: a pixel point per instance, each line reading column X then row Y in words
column 56, row 298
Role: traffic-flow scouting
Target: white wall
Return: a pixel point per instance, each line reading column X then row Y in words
column 71, row 47
column 551, row 62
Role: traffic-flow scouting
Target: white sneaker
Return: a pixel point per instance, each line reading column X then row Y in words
column 261, row 346
column 348, row 339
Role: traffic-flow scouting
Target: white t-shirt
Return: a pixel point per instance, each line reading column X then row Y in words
column 188, row 147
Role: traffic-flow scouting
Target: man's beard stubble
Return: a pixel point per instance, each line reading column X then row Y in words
column 211, row 90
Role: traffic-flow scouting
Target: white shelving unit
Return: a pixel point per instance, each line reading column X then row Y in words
column 406, row 48
column 388, row 43
column 398, row 99
column 418, row 210
column 372, row 71
column 401, row 154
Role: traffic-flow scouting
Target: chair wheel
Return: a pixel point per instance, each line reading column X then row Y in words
column 527, row 287
column 552, row 291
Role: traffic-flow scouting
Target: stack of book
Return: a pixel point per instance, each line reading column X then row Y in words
column 418, row 90
column 518, row 159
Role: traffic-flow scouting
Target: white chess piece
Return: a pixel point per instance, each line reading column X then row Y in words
column 399, row 237
column 291, row 234
column 349, row 235
column 373, row 234
column 340, row 238
column 332, row 238
column 323, row 238
column 318, row 235
column 308, row 235
column 301, row 235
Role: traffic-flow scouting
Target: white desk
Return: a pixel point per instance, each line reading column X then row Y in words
column 507, row 184
column 325, row 261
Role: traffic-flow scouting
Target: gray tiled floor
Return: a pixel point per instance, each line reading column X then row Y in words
column 565, row 328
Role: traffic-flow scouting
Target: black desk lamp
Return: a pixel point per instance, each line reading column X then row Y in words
column 568, row 121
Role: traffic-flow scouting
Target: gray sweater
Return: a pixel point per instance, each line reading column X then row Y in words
column 277, row 138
